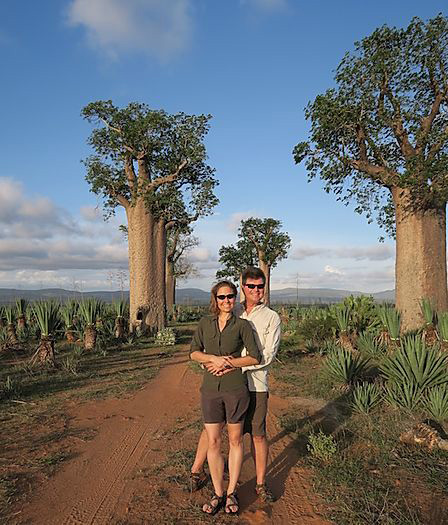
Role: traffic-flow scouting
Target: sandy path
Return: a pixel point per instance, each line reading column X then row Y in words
column 102, row 483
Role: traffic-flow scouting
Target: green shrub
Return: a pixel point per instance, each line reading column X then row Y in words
column 10, row 388
column 317, row 328
column 436, row 403
column 366, row 397
column 321, row 446
column 344, row 367
column 166, row 337
column 427, row 311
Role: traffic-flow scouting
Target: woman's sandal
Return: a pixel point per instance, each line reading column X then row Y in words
column 264, row 493
column 216, row 503
column 197, row 480
column 232, row 501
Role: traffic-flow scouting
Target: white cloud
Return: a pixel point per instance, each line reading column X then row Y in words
column 159, row 28
column 90, row 213
column 376, row 252
column 235, row 219
column 333, row 271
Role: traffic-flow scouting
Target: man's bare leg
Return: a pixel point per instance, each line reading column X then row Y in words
column 201, row 453
column 260, row 451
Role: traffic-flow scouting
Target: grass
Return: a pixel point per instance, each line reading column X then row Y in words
column 372, row 478
column 35, row 432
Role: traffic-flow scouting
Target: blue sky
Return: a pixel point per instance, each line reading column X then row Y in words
column 252, row 64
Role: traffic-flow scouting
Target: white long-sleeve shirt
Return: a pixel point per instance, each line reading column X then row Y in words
column 266, row 324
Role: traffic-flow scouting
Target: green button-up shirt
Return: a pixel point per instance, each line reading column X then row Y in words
column 237, row 334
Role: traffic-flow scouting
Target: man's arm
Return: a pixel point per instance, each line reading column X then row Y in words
column 271, row 345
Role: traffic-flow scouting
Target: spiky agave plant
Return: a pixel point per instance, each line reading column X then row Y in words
column 21, row 308
column 345, row 368
column 68, row 314
column 88, row 311
column 365, row 397
column 390, row 319
column 342, row 315
column 416, row 364
column 436, row 403
column 368, row 345
column 442, row 328
column 10, row 317
column 48, row 320
column 429, row 315
column 120, row 308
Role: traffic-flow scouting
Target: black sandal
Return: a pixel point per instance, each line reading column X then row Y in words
column 197, row 480
column 233, row 503
column 216, row 504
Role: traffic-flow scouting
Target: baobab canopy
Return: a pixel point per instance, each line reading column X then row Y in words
column 380, row 137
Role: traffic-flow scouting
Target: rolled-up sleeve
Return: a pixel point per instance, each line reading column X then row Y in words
column 197, row 343
column 250, row 343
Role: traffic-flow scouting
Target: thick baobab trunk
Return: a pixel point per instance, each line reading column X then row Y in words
column 242, row 296
column 170, row 283
column 159, row 274
column 420, row 264
column 141, row 264
column 267, row 272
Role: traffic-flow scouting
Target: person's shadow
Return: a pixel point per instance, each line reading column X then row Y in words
column 329, row 419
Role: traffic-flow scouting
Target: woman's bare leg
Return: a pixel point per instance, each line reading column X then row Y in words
column 235, row 431
column 214, row 456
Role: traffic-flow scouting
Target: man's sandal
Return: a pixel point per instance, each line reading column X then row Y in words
column 264, row 493
column 215, row 504
column 197, row 480
column 232, row 505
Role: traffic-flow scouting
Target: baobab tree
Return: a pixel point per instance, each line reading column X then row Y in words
column 261, row 242
column 144, row 160
column 380, row 137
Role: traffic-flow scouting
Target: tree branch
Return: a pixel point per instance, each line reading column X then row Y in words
column 130, row 173
column 427, row 122
column 169, row 178
column 118, row 130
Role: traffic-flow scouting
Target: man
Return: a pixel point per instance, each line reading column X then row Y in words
column 266, row 324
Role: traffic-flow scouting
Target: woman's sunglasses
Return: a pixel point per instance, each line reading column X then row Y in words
column 252, row 286
column 229, row 296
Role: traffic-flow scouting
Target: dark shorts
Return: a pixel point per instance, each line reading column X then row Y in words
column 255, row 422
column 224, row 407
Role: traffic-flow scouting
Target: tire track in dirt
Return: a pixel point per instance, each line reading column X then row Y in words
column 88, row 489
column 98, row 507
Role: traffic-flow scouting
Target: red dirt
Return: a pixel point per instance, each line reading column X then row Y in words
column 116, row 477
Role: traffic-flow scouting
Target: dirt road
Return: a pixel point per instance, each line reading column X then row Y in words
column 134, row 470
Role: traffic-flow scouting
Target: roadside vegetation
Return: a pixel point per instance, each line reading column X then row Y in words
column 53, row 355
column 369, row 409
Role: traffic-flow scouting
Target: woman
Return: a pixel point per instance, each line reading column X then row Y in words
column 218, row 341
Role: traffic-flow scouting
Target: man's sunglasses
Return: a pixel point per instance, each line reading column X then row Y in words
column 252, row 286
column 229, row 296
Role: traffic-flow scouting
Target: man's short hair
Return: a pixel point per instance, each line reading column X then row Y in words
column 252, row 272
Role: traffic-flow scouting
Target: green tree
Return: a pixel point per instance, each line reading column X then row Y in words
column 380, row 137
column 234, row 260
column 271, row 245
column 147, row 161
column 260, row 242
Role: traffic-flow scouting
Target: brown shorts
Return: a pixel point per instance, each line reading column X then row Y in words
column 255, row 422
column 224, row 407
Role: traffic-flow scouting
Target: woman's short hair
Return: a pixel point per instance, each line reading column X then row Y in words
column 214, row 292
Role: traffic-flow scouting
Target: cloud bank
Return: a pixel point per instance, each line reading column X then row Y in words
column 158, row 28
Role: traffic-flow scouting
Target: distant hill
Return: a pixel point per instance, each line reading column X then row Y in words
column 196, row 296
